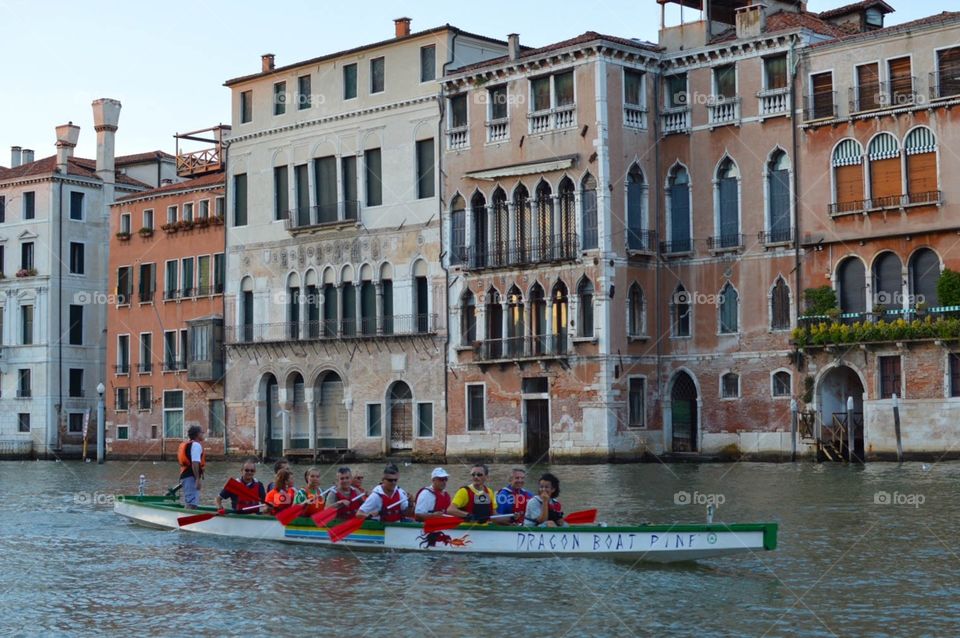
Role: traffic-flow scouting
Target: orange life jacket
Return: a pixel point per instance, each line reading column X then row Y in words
column 183, row 457
column 280, row 499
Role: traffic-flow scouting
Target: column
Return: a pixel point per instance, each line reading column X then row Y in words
column 339, row 330
column 311, row 185
column 311, row 414
column 491, row 235
column 379, row 288
column 505, row 325
column 512, row 249
column 549, row 347
column 358, row 299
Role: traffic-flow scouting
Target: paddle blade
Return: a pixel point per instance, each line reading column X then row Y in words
column 196, row 518
column 581, row 517
column 440, row 523
column 241, row 491
column 323, row 517
column 288, row 515
column 341, row 531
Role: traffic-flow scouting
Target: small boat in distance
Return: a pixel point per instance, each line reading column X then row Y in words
column 649, row 543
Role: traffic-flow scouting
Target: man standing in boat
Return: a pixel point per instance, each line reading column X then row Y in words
column 433, row 500
column 513, row 498
column 387, row 502
column 192, row 460
column 474, row 502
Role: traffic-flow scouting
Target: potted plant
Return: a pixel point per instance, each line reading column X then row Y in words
column 26, row 272
column 169, row 228
column 123, row 235
column 203, row 222
column 145, row 231
column 185, row 224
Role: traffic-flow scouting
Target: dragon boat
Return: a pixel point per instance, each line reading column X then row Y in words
column 649, row 543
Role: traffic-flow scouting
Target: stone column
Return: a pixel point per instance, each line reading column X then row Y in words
column 339, row 309
column 311, row 414
column 513, row 245
column 379, row 318
column 548, row 335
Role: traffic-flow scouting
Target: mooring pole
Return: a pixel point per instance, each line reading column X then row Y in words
column 896, row 427
column 793, row 430
column 850, row 429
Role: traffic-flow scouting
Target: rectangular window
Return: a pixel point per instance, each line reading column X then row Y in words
column 240, row 199
column 279, row 98
column 186, row 272
column 148, row 283
column 425, row 168
column 76, row 325
column 540, row 93
column 200, row 337
column 184, row 348
column 246, row 106
column 890, row 377
column 458, row 237
column 374, row 419
column 173, row 414
column 635, row 403
column 428, row 63
column 122, row 402
column 821, row 102
column 349, row 81
column 374, row 177
column 781, row 384
column 948, row 72
column 676, row 90
column 169, row 350
column 75, row 423
column 205, row 209
column 458, row 111
column 203, row 275
column 730, row 386
column 76, row 382
column 219, row 208
column 123, row 432
column 146, row 352
column 188, row 212
column 125, row 223
column 3, row 209
column 171, row 279
column 954, row 363
column 144, row 398
column 23, row 421
column 26, row 325
column 425, row 420
column 376, row 75
column 171, row 214
column 29, row 205
column 123, row 354
column 325, row 183
column 868, row 87
column 633, row 87
column 475, row 408
column 148, row 219
column 304, row 96
column 901, row 82
column 301, row 182
column 219, row 273
column 498, row 102
column 216, row 424
column 348, row 180
column 76, row 258
column 725, row 81
column 24, row 389
column 26, row 255
column 563, row 88
column 535, row 385
column 775, row 72
column 76, row 206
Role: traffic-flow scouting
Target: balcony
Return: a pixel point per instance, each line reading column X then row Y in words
column 725, row 242
column 675, row 120
column 169, row 295
column 899, row 92
column 516, row 254
column 498, row 130
column 892, row 202
column 560, row 117
column 146, row 296
column 774, row 102
column 820, row 106
column 173, row 365
column 520, row 348
column 677, row 247
column 641, row 240
column 202, row 162
column 124, row 297
column 881, row 327
column 774, row 237
column 458, row 138
column 121, row 368
column 395, row 326
column 945, row 84
column 322, row 216
column 866, row 97
column 145, row 368
column 635, row 116
column 723, row 111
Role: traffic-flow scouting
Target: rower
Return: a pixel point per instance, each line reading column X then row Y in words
column 281, row 464
column 387, row 502
column 343, row 495
column 311, row 492
column 248, row 477
column 544, row 510
column 513, row 498
column 433, row 500
column 192, row 460
column 282, row 495
column 474, row 502
column 357, row 481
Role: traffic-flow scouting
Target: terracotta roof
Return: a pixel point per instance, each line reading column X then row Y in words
column 78, row 166
column 139, row 158
column 856, row 6
column 212, row 180
column 365, row 47
column 937, row 18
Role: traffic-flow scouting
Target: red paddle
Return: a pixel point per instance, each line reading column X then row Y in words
column 339, row 532
column 287, row 516
column 199, row 518
column 441, row 523
column 323, row 517
column 583, row 517
column 240, row 490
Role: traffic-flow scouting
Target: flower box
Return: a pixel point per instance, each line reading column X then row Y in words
column 145, row 232
column 122, row 236
column 170, row 228
column 27, row 272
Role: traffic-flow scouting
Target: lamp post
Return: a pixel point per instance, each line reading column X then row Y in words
column 100, row 424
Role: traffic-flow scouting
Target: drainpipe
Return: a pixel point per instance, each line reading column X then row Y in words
column 658, row 196
column 794, row 130
column 225, row 150
column 60, row 310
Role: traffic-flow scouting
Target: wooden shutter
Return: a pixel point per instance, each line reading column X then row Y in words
column 948, row 67
column 822, row 95
column 922, row 173
column 849, row 185
column 885, row 178
column 868, row 87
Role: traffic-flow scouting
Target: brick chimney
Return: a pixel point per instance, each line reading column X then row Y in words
column 513, row 46
column 402, row 27
column 266, row 62
column 26, row 157
column 67, row 136
column 15, row 156
column 106, row 116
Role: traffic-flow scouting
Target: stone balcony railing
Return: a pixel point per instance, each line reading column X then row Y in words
column 675, row 120
column 392, row 326
column 722, row 111
column 774, row 102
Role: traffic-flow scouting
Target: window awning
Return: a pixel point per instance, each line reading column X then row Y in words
column 848, row 153
column 884, row 146
column 531, row 168
column 920, row 140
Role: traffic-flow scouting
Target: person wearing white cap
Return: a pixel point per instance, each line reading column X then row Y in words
column 433, row 500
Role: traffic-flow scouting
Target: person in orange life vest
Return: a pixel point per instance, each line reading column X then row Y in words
column 544, row 510
column 248, row 477
column 281, row 464
column 513, row 498
column 474, row 502
column 387, row 502
column 344, row 495
column 282, row 495
column 192, row 460
column 433, row 500
column 311, row 492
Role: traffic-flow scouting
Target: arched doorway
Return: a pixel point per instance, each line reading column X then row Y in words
column 331, row 413
column 270, row 419
column 833, row 390
column 400, row 409
column 683, row 413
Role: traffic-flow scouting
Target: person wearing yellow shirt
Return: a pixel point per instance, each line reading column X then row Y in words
column 474, row 502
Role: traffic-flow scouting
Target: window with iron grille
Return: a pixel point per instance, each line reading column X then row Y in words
column 889, row 377
column 954, row 363
column 780, row 305
column 475, row 408
column 75, row 423
column 635, row 402
column 730, row 386
column 781, row 384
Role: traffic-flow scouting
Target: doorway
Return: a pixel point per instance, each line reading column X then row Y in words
column 683, row 413
column 537, row 448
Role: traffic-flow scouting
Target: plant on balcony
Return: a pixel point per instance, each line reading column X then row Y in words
column 834, row 333
column 202, row 222
column 145, row 232
column 948, row 288
column 185, row 224
column 820, row 300
column 27, row 272
column 123, row 236
column 170, row 228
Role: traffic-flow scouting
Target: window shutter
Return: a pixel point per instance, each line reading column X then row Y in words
column 922, row 173
column 729, row 224
column 885, row 178
column 679, row 217
column 780, row 204
column 849, row 185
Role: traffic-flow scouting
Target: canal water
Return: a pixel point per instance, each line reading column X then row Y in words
column 868, row 551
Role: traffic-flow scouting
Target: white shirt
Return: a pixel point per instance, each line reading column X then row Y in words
column 375, row 501
column 426, row 502
column 196, row 452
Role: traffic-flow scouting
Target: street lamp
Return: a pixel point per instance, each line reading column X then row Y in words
column 100, row 424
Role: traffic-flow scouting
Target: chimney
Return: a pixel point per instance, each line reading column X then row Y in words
column 106, row 116
column 26, row 157
column 266, row 62
column 751, row 21
column 513, row 46
column 67, row 136
column 402, row 27
column 15, row 156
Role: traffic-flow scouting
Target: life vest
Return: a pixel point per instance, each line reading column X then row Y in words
column 280, row 499
column 479, row 506
column 243, row 503
column 555, row 511
column 350, row 509
column 519, row 500
column 183, row 457
column 442, row 498
column 390, row 514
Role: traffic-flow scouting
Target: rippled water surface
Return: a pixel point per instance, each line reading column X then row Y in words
column 846, row 564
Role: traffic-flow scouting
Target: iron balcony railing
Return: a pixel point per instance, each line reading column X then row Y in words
column 890, row 201
column 146, row 296
column 145, row 368
column 776, row 236
column 866, row 97
column 525, row 347
column 124, row 297
column 945, row 83
column 821, row 105
column 322, row 215
column 122, row 368
column 174, row 365
column 327, row 330
column 724, row 242
column 513, row 253
column 900, row 91
column 676, row 246
column 641, row 239
column 887, row 315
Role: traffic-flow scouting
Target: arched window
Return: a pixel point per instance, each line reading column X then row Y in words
column 478, row 210
column 545, row 245
column 458, row 234
column 386, row 302
column 331, row 413
column 782, row 384
column 885, row 180
column 558, row 317
column 887, row 282
column 680, row 312
column 515, row 323
column 635, row 312
column 468, row 319
column 921, row 149
column 348, row 302
column 400, row 409
column 588, row 211
column 568, row 228
column 924, row 273
column 421, row 296
column 538, row 320
column 730, row 386
column 246, row 309
column 636, row 210
column 368, row 304
column 299, row 429
column 585, row 300
column 852, row 286
column 728, row 205
column 780, row 305
column 848, row 177
column 729, row 310
column 523, row 242
column 494, row 324
column 678, row 193
column 778, row 198
column 501, row 228
column 330, row 302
